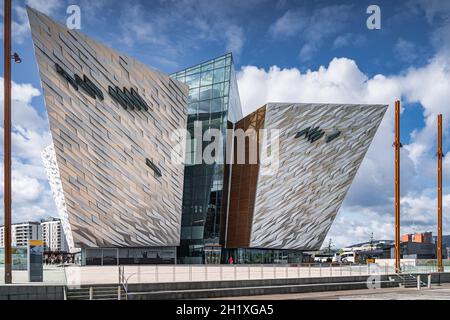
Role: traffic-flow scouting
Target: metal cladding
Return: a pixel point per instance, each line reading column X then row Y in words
column 111, row 120
column 321, row 147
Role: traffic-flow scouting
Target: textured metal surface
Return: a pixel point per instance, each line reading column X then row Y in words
column 295, row 207
column 111, row 196
column 244, row 180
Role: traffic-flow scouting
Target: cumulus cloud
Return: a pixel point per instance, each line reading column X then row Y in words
column 32, row 199
column 343, row 82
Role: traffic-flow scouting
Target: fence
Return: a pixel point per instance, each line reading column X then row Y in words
column 199, row 273
column 76, row 275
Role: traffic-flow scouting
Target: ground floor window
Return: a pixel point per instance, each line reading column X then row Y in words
column 128, row 256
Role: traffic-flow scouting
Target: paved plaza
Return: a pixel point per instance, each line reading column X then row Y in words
column 435, row 293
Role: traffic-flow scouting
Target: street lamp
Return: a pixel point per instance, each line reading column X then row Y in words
column 7, row 139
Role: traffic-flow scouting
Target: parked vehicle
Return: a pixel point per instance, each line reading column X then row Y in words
column 349, row 257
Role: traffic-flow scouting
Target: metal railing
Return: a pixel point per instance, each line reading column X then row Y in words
column 199, row 273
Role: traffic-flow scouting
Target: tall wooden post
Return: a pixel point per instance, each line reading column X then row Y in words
column 7, row 140
column 440, row 155
column 397, row 145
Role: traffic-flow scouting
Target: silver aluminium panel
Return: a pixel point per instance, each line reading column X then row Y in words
column 321, row 149
column 113, row 157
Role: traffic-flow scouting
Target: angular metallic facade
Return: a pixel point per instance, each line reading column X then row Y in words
column 111, row 120
column 321, row 147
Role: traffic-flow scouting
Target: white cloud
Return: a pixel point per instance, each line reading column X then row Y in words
column 235, row 39
column 32, row 199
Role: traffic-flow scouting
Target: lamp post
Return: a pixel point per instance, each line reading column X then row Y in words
column 397, row 146
column 7, row 140
column 440, row 155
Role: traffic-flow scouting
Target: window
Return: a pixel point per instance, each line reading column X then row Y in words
column 155, row 169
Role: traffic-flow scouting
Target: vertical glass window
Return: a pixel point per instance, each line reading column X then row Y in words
column 220, row 62
column 219, row 75
column 206, row 78
column 206, row 93
column 194, row 95
column 207, row 66
column 216, row 105
column 193, row 81
column 204, row 106
column 227, row 73
column 193, row 108
column 217, row 90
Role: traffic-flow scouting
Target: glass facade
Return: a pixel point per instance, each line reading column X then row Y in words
column 127, row 256
column 261, row 256
column 214, row 103
column 19, row 258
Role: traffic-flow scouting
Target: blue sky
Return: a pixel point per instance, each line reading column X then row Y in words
column 287, row 51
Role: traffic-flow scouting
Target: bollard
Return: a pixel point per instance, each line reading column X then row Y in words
column 309, row 271
column 429, row 281
column 190, row 272
column 418, row 282
column 91, row 293
column 262, row 272
column 119, row 293
column 331, row 269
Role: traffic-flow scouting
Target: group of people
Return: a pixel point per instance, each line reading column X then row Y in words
column 57, row 259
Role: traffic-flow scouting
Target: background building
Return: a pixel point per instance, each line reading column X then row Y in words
column 419, row 246
column 53, row 236
column 22, row 233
